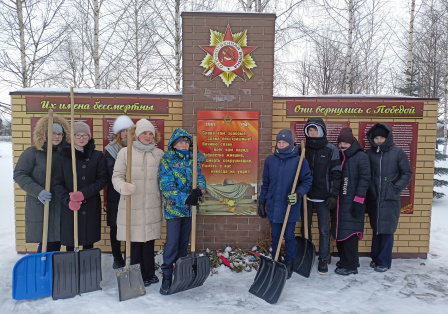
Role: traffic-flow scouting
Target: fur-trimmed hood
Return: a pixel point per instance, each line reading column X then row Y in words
column 40, row 130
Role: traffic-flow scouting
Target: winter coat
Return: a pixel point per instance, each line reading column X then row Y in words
column 355, row 182
column 391, row 173
column 278, row 177
column 146, row 204
column 112, row 196
column 176, row 178
column 30, row 173
column 92, row 177
column 324, row 162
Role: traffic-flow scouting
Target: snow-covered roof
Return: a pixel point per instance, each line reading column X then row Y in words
column 353, row 96
column 92, row 91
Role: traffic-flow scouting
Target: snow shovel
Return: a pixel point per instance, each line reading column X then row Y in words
column 191, row 271
column 271, row 275
column 129, row 277
column 305, row 249
column 32, row 274
column 79, row 271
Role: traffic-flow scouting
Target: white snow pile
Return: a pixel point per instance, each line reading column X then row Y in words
column 411, row 286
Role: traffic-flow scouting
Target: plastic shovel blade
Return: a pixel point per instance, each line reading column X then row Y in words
column 65, row 277
column 130, row 282
column 89, row 270
column 305, row 256
column 269, row 280
column 190, row 272
column 32, row 277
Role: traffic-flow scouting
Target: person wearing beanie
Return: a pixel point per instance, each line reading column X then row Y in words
column 391, row 173
column 120, row 128
column 175, row 182
column 29, row 174
column 278, row 178
column 348, row 223
column 91, row 179
column 146, row 206
column 325, row 163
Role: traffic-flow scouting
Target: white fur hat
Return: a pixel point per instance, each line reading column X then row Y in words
column 122, row 123
column 144, row 125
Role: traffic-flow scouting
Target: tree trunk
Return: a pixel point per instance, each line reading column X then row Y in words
column 178, row 43
column 445, row 116
column 96, row 45
column 409, row 67
column 22, row 43
column 137, row 52
column 348, row 68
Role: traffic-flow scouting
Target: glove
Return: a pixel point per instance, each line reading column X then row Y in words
column 357, row 209
column 193, row 198
column 293, row 198
column 74, row 205
column 128, row 188
column 44, row 196
column 262, row 209
column 330, row 203
column 76, row 196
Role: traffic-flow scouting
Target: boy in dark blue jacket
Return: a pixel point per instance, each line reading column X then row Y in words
column 278, row 178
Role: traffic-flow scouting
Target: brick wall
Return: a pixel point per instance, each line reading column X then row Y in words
column 199, row 93
column 412, row 236
column 21, row 139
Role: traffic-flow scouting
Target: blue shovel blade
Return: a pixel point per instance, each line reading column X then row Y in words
column 32, row 277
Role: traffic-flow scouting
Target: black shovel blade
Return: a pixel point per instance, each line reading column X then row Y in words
column 130, row 282
column 305, row 255
column 190, row 272
column 269, row 280
column 65, row 279
column 89, row 270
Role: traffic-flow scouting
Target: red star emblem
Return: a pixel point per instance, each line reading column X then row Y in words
column 228, row 55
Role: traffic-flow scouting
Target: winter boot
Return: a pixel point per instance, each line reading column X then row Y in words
column 338, row 264
column 322, row 267
column 166, row 284
column 345, row 272
column 118, row 263
column 289, row 265
column 381, row 269
column 372, row 264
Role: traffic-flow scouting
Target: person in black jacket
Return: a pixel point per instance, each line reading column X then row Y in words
column 325, row 165
column 278, row 178
column 92, row 177
column 30, row 173
column 121, row 124
column 391, row 174
column 348, row 222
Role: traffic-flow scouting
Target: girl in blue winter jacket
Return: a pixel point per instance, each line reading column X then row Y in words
column 278, row 178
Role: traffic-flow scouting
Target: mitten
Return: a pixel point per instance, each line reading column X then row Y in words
column 293, row 198
column 76, row 196
column 193, row 198
column 128, row 188
column 330, row 203
column 73, row 205
column 44, row 196
column 262, row 209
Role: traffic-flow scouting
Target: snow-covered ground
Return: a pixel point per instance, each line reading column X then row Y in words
column 411, row 286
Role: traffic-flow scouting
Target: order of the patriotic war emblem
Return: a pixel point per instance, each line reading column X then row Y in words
column 228, row 56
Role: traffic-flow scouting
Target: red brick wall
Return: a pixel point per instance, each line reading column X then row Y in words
column 199, row 93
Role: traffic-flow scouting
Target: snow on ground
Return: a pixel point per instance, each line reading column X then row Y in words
column 411, row 286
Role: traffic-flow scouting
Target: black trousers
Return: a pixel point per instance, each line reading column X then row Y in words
column 51, row 247
column 177, row 237
column 382, row 245
column 348, row 251
column 143, row 253
column 115, row 244
column 84, row 247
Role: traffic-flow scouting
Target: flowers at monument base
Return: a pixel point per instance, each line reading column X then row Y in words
column 237, row 260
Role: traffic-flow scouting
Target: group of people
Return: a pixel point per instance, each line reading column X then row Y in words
column 341, row 184
column 157, row 178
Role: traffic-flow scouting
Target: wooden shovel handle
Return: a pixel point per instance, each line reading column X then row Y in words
column 128, row 197
column 305, row 216
column 302, row 155
column 75, row 176
column 48, row 179
column 195, row 185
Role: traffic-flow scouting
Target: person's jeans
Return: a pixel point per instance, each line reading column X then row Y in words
column 177, row 237
column 323, row 224
column 382, row 245
column 289, row 240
